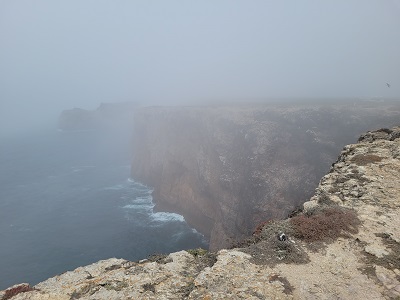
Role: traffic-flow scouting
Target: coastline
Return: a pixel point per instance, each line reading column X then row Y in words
column 198, row 222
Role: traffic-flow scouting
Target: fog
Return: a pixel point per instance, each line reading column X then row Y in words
column 63, row 54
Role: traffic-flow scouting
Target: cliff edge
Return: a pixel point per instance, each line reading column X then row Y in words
column 228, row 168
column 344, row 244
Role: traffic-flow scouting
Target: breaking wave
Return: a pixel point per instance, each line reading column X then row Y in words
column 162, row 217
column 137, row 201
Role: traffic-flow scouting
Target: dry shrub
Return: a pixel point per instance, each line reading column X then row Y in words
column 160, row 258
column 326, row 224
column 13, row 291
column 197, row 252
column 203, row 258
column 149, row 287
column 386, row 130
column 295, row 212
column 363, row 160
column 267, row 249
column 260, row 226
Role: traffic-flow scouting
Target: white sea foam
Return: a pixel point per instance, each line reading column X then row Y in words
column 145, row 199
column 83, row 167
column 144, row 202
column 76, row 169
column 196, row 232
column 177, row 236
column 146, row 207
column 115, row 187
column 203, row 238
column 75, row 130
column 137, row 183
column 163, row 217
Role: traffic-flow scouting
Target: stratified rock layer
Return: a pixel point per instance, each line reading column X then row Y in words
column 226, row 169
column 362, row 265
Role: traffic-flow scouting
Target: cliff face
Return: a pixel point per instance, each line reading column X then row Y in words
column 360, row 195
column 226, row 169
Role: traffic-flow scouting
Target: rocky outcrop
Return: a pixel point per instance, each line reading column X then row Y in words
column 358, row 263
column 105, row 116
column 226, row 169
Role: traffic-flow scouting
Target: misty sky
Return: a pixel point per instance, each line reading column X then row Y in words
column 78, row 53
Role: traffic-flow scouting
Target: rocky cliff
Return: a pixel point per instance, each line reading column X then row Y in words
column 228, row 168
column 345, row 244
column 107, row 115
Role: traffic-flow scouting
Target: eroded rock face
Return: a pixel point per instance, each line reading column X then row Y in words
column 226, row 169
column 364, row 264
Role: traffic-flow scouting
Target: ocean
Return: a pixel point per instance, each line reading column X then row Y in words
column 66, row 200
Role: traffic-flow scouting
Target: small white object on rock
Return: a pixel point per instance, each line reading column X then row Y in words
column 282, row 237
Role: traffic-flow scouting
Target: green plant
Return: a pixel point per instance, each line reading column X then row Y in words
column 197, row 252
column 203, row 258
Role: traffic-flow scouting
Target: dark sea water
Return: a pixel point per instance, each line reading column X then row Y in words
column 66, row 200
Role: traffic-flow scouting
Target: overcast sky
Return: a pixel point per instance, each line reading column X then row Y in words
column 78, row 53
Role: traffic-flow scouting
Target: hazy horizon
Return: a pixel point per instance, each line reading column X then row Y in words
column 60, row 55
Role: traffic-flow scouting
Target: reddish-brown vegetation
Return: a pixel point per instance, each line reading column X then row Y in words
column 260, row 226
column 325, row 224
column 12, row 291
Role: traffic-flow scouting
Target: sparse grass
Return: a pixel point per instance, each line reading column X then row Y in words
column 90, row 289
column 149, row 287
column 160, row 258
column 197, row 252
column 115, row 286
column 325, row 200
column 326, row 224
column 273, row 228
column 113, row 267
column 203, row 258
column 266, row 249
